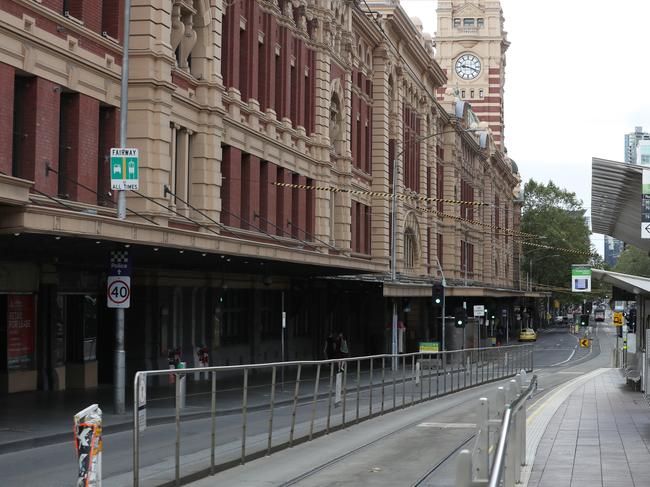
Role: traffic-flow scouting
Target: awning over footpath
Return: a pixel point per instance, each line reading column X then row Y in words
column 627, row 282
column 616, row 201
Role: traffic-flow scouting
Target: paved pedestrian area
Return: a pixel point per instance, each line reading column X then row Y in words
column 599, row 437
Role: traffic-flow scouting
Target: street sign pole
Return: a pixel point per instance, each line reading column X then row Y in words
column 119, row 379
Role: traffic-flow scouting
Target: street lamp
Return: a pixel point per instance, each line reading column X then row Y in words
column 393, row 220
column 119, row 365
column 530, row 279
column 530, row 268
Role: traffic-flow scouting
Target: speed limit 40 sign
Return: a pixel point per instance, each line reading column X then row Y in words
column 118, row 292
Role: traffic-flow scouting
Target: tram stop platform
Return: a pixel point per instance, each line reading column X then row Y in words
column 592, row 432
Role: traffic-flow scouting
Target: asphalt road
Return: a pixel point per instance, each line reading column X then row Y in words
column 55, row 465
column 407, row 456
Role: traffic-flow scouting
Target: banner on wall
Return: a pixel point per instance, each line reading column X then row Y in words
column 20, row 331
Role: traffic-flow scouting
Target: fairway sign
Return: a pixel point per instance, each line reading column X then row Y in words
column 124, row 168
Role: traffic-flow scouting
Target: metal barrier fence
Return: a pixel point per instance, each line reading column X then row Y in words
column 500, row 429
column 274, row 413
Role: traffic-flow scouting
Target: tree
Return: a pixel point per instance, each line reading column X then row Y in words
column 633, row 261
column 558, row 216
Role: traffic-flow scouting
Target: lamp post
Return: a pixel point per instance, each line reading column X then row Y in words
column 393, row 237
column 119, row 365
column 530, row 276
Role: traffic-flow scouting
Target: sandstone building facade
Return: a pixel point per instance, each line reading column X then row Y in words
column 267, row 133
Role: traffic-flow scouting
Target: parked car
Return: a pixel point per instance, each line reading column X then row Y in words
column 559, row 319
column 527, row 335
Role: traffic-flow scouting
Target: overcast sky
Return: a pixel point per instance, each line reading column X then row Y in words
column 576, row 81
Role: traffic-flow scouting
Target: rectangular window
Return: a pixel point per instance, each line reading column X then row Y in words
column 457, row 23
column 20, row 129
column 226, row 20
column 506, row 217
column 279, row 111
column 481, row 94
column 243, row 65
column 65, row 117
column 440, row 248
column 471, row 94
column 293, row 105
column 108, row 134
column 295, row 207
column 440, row 186
column 111, row 16
column 480, row 23
column 234, row 325
column 262, row 78
column 270, row 314
column 462, row 94
column 468, row 22
column 497, row 220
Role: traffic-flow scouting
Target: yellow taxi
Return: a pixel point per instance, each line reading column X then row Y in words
column 527, row 335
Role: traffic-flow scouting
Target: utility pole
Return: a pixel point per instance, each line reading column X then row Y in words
column 393, row 262
column 119, row 374
column 444, row 299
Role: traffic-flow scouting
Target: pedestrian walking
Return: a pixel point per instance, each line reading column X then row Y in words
column 329, row 347
column 341, row 350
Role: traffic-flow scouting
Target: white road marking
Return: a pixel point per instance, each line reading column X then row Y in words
column 565, row 361
column 447, row 425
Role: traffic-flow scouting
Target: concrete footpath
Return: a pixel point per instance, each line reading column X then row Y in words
column 592, row 432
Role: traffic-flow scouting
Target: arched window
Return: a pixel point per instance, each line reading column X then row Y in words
column 335, row 119
column 410, row 249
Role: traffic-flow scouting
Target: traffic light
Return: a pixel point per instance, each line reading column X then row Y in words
column 438, row 294
column 631, row 320
column 460, row 317
column 584, row 320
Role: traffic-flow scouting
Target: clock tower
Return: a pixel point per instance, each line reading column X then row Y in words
column 471, row 46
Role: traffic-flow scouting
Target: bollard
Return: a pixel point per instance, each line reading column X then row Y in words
column 464, row 469
column 88, row 443
column 181, row 378
column 481, row 462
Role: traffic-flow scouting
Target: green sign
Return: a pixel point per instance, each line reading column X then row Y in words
column 124, row 169
column 429, row 347
column 581, row 278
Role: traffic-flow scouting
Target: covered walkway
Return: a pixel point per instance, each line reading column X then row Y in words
column 599, row 437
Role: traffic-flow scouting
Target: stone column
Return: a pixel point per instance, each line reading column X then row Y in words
column 379, row 161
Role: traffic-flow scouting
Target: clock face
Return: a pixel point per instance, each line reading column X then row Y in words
column 468, row 66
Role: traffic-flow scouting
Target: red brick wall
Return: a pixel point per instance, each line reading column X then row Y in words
column 231, row 186
column 113, row 18
column 250, row 180
column 89, row 11
column 38, row 123
column 109, row 134
column 6, row 116
column 268, row 196
column 249, row 191
column 56, row 5
column 81, row 140
column 284, row 205
column 230, row 46
column 301, row 221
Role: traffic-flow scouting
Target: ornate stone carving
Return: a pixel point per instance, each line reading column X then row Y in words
column 188, row 42
column 178, row 28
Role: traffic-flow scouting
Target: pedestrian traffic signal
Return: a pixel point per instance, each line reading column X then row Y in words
column 460, row 317
column 438, row 294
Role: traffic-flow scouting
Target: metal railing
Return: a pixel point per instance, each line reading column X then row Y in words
column 502, row 431
column 322, row 396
